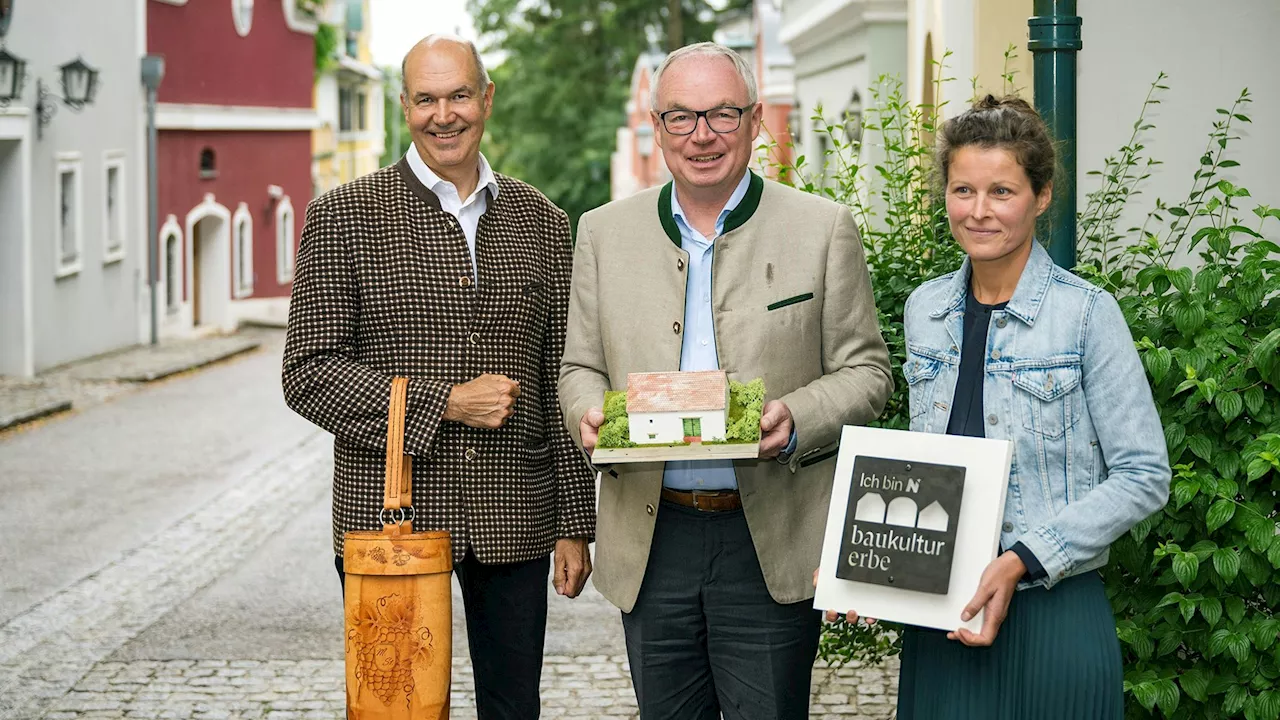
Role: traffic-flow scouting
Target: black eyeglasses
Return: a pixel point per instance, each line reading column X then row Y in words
column 720, row 119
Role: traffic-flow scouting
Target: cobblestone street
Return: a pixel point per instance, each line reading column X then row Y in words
column 192, row 575
column 585, row 686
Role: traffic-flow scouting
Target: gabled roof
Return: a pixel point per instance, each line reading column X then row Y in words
column 677, row 391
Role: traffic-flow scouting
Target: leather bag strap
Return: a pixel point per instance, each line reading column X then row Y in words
column 398, row 485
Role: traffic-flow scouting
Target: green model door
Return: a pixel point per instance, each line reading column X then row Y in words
column 693, row 427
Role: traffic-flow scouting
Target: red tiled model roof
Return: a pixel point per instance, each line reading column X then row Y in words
column 677, row 391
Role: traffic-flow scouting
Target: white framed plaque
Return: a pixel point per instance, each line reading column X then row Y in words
column 914, row 520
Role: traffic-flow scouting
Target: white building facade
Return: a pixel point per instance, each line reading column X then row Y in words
column 841, row 48
column 72, row 188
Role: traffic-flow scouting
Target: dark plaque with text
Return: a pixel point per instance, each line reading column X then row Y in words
column 900, row 526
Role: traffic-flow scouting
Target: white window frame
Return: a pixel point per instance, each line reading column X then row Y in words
column 242, row 29
column 68, row 162
column 171, row 229
column 242, row 287
column 114, row 160
column 296, row 21
column 286, row 232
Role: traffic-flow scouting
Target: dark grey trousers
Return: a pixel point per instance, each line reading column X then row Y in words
column 705, row 637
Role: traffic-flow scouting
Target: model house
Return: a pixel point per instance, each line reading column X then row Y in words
column 673, row 407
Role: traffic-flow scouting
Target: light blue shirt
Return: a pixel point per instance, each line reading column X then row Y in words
column 698, row 348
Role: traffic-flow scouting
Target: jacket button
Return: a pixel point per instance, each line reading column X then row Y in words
column 1001, row 322
column 680, row 264
column 470, row 454
column 648, row 509
column 464, row 281
column 675, row 327
column 474, row 338
column 995, row 354
column 993, row 419
column 1007, row 527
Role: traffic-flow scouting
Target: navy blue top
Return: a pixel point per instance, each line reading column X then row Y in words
column 966, row 406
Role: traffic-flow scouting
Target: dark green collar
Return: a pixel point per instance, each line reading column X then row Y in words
column 736, row 218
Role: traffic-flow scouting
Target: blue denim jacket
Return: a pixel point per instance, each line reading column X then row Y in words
column 1062, row 381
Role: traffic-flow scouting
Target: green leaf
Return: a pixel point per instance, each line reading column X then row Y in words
column 1227, row 562
column 1235, row 608
column 1229, row 405
column 1195, row 684
column 1188, row 316
column 1202, row 447
column 1264, row 633
column 1219, row 641
column 1211, row 609
column 1187, row 608
column 1181, row 277
column 1268, row 345
column 1267, row 706
column 1234, row 701
column 1184, row 491
column 1273, row 554
column 1157, row 363
column 1220, row 513
column 1185, row 567
column 1256, row 468
column 1253, row 400
column 1260, row 534
column 1174, row 434
column 1239, row 646
column 1167, row 696
column 1146, row 694
column 1227, row 464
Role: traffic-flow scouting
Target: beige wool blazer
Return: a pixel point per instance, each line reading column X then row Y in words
column 792, row 304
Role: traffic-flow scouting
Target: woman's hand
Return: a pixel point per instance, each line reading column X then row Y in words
column 849, row 617
column 995, row 590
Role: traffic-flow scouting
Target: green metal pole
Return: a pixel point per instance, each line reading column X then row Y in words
column 1055, row 39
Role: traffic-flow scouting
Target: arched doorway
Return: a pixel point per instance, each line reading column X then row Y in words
column 209, row 265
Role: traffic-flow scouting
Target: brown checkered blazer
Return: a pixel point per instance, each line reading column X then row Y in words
column 385, row 287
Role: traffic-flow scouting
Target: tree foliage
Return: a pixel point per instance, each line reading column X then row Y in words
column 562, row 87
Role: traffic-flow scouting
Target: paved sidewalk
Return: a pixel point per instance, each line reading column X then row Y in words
column 85, row 383
column 145, row 363
column 22, row 402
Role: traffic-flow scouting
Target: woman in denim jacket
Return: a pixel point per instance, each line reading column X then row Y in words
column 1011, row 346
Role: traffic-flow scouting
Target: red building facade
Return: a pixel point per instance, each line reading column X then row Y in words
column 235, row 121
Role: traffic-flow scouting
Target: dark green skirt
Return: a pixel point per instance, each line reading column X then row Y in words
column 1056, row 658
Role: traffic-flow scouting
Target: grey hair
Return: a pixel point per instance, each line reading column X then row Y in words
column 475, row 57
column 705, row 49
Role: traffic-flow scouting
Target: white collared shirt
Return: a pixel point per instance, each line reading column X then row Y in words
column 467, row 212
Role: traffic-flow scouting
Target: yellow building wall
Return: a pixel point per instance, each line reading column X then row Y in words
column 997, row 24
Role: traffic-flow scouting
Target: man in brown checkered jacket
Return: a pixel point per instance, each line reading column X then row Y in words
column 439, row 270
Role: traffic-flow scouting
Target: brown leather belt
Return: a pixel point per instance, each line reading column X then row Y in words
column 715, row 501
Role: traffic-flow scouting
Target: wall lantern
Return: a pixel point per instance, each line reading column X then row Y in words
column 12, row 76
column 853, row 119
column 794, row 122
column 644, row 140
column 79, row 88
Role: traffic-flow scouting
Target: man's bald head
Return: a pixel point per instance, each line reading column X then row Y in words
column 445, row 42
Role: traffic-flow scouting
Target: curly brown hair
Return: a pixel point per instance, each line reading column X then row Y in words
column 1008, row 123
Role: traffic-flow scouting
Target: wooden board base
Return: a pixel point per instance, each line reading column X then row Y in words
column 663, row 453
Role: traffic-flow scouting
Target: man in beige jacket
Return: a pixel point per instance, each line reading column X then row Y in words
column 712, row 562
